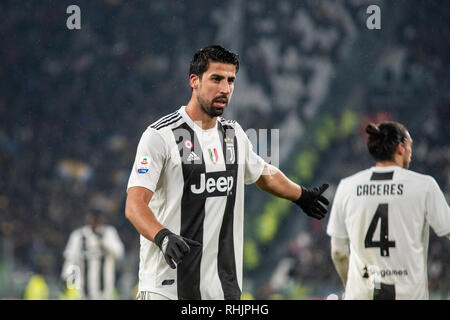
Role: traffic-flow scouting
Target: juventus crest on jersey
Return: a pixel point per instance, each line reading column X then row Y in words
column 197, row 178
column 386, row 212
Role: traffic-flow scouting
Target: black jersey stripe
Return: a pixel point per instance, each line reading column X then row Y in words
column 165, row 120
column 382, row 175
column 167, row 123
column 192, row 214
column 101, row 271
column 226, row 262
column 157, row 122
column 162, row 119
column 84, row 272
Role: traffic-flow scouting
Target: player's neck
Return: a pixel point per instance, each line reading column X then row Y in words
column 387, row 164
column 199, row 117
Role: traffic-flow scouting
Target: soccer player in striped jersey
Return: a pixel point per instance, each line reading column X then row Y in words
column 185, row 194
column 90, row 258
column 383, row 214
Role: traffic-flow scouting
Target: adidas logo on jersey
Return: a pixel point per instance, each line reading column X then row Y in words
column 192, row 157
column 214, row 184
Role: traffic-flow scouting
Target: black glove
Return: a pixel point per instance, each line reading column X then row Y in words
column 311, row 199
column 174, row 247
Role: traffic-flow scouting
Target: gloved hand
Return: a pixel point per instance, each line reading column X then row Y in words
column 174, row 247
column 311, row 201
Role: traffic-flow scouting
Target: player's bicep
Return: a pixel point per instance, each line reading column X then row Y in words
column 339, row 246
column 254, row 164
column 438, row 211
column 138, row 195
column 149, row 162
column 336, row 224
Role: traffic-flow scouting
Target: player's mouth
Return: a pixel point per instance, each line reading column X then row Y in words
column 220, row 102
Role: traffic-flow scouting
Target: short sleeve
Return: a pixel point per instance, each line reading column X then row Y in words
column 254, row 164
column 336, row 223
column 149, row 161
column 438, row 212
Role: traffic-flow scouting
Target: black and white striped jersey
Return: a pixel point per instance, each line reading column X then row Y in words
column 386, row 212
column 197, row 177
column 90, row 261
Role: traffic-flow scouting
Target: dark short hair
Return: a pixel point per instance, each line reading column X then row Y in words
column 216, row 53
column 384, row 138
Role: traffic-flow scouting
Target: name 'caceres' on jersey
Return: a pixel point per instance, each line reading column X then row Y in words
column 379, row 189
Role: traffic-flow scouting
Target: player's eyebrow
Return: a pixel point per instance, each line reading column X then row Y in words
column 220, row 77
column 217, row 76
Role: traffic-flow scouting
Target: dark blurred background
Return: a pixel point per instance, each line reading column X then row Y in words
column 74, row 103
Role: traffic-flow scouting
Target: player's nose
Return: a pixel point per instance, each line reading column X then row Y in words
column 225, row 88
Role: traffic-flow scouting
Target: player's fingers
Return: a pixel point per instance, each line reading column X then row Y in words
column 320, row 208
column 176, row 254
column 183, row 246
column 192, row 243
column 323, row 200
column 316, row 216
column 180, row 249
column 319, row 214
column 170, row 262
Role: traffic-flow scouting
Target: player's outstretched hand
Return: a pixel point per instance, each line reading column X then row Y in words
column 311, row 201
column 174, row 247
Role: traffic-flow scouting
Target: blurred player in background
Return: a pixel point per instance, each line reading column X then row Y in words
column 383, row 214
column 90, row 259
column 186, row 190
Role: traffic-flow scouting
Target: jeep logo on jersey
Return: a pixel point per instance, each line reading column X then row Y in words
column 214, row 184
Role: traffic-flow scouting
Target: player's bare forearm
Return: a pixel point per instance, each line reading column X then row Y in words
column 341, row 264
column 139, row 214
column 340, row 257
column 275, row 182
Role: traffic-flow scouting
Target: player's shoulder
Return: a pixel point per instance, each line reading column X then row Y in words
column 165, row 123
column 414, row 175
column 80, row 231
column 77, row 231
column 356, row 177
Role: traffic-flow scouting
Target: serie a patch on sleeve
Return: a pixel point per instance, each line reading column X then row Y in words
column 143, row 165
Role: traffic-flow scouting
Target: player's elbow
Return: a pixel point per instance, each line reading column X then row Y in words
column 129, row 209
column 339, row 249
column 339, row 255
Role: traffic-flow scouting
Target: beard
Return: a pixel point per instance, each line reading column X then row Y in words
column 209, row 108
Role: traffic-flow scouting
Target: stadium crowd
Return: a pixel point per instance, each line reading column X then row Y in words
column 73, row 103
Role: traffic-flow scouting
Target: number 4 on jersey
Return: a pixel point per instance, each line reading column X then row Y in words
column 384, row 244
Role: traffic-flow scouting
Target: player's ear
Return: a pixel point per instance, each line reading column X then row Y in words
column 194, row 81
column 400, row 149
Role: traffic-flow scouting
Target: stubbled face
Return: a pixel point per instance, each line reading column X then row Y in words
column 215, row 87
column 408, row 152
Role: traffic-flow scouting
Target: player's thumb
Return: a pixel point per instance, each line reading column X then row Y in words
column 323, row 187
